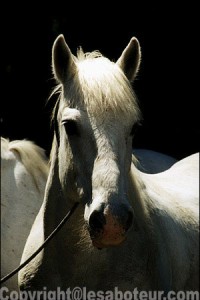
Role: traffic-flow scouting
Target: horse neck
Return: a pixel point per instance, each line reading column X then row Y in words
column 138, row 197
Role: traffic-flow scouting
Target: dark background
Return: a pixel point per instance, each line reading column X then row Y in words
column 166, row 85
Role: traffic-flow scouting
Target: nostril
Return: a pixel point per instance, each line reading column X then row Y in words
column 96, row 220
column 129, row 221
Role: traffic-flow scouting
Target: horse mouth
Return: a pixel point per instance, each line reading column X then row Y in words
column 100, row 244
column 104, row 239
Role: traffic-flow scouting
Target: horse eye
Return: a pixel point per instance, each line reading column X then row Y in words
column 71, row 128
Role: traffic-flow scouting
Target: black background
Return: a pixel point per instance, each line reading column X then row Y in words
column 166, row 85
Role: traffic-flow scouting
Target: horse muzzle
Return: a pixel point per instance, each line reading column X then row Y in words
column 109, row 228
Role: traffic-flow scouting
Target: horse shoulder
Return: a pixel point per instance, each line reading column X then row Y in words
column 173, row 201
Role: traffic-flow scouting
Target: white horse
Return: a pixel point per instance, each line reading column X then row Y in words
column 146, row 224
column 24, row 171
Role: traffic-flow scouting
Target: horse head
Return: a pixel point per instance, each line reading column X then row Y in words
column 96, row 116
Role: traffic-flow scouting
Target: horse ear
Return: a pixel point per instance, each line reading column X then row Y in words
column 62, row 60
column 130, row 59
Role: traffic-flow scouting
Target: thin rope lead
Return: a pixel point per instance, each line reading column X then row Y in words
column 60, row 225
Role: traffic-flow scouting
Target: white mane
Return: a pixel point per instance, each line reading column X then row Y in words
column 32, row 156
